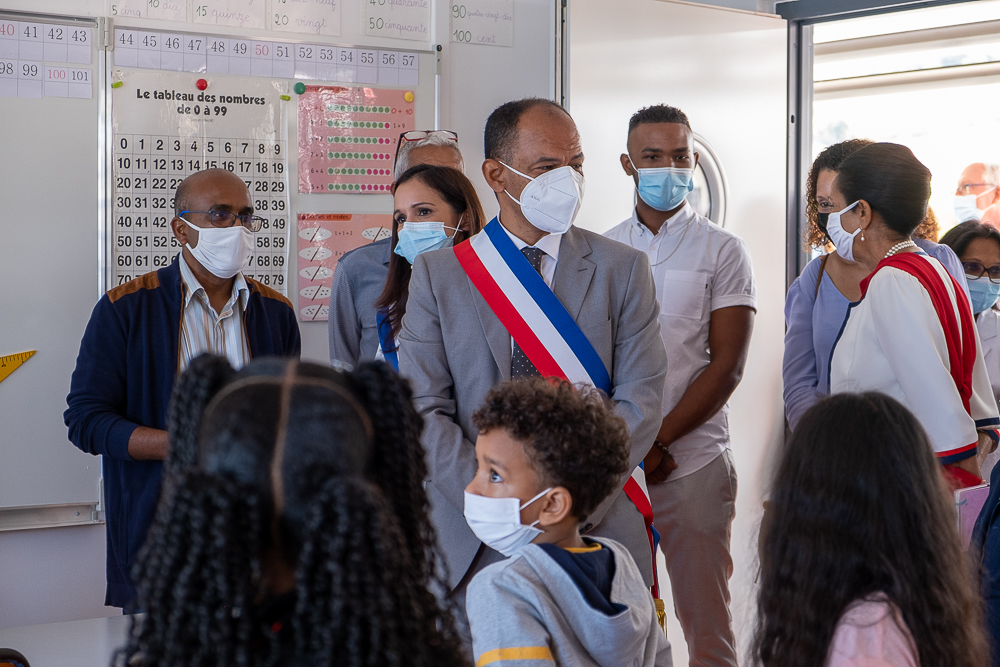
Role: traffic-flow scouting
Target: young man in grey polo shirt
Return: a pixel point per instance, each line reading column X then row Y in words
column 705, row 288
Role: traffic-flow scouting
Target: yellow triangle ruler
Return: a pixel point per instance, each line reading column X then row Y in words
column 11, row 362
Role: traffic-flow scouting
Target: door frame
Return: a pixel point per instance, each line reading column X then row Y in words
column 802, row 15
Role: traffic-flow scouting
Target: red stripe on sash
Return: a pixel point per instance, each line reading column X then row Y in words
column 506, row 312
column 961, row 345
column 634, row 493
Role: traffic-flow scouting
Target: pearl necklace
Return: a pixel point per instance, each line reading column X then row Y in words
column 900, row 246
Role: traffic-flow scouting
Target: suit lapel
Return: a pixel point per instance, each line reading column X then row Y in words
column 496, row 334
column 573, row 272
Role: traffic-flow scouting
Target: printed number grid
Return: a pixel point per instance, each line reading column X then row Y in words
column 147, row 171
column 246, row 57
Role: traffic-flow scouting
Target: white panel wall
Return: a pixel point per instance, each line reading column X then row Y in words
column 726, row 70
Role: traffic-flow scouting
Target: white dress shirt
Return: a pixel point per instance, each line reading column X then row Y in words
column 698, row 268
column 549, row 244
column 204, row 330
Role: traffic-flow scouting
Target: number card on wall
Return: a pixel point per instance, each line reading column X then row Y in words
column 348, row 137
column 489, row 22
column 320, row 17
column 399, row 19
column 166, row 10
column 175, row 52
column 164, row 130
column 232, row 13
column 323, row 239
column 27, row 50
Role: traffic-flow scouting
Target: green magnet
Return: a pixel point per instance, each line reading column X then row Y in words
column 300, row 88
column 117, row 84
column 286, row 97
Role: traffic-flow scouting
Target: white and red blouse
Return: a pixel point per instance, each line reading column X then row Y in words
column 912, row 336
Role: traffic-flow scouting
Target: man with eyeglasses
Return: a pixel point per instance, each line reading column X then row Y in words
column 360, row 274
column 977, row 194
column 144, row 333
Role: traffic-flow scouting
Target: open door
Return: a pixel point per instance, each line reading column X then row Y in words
column 726, row 70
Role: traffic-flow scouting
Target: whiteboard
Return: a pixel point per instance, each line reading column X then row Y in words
column 47, row 304
column 50, row 190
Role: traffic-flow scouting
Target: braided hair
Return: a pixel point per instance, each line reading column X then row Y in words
column 315, row 468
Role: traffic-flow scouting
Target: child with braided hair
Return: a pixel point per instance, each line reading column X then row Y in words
column 293, row 525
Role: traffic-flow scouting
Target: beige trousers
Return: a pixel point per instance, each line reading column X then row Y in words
column 694, row 516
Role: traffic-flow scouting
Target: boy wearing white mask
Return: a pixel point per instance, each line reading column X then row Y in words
column 707, row 296
column 144, row 333
column 547, row 456
column 530, row 295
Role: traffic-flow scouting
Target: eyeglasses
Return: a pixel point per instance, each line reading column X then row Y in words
column 222, row 218
column 417, row 135
column 420, row 135
column 975, row 270
column 965, row 187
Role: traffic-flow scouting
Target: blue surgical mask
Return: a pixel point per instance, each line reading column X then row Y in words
column 664, row 188
column 984, row 293
column 967, row 206
column 419, row 237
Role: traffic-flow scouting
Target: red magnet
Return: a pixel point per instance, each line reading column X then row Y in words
column 202, row 84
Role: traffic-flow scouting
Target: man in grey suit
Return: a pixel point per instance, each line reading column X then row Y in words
column 360, row 274
column 453, row 348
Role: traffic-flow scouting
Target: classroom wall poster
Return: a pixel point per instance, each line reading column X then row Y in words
column 323, row 239
column 166, row 129
column 348, row 136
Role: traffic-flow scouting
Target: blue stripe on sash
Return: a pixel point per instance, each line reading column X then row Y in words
column 385, row 339
column 550, row 305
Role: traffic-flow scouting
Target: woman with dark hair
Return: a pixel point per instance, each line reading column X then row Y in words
column 911, row 335
column 293, row 526
column 978, row 246
column 818, row 300
column 436, row 207
column 860, row 557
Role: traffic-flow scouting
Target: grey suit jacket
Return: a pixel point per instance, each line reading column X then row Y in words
column 454, row 349
column 357, row 283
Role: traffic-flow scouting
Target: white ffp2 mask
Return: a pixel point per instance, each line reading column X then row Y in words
column 840, row 237
column 223, row 251
column 551, row 201
column 497, row 522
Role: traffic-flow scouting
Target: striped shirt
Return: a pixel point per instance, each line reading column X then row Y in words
column 204, row 330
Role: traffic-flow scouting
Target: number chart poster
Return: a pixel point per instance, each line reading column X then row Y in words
column 164, row 130
column 323, row 239
column 348, row 137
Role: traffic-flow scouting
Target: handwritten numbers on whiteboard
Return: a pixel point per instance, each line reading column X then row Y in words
column 384, row 18
column 318, row 17
column 486, row 22
column 233, row 13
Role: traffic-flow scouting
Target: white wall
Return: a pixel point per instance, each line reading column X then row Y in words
column 727, row 71
column 52, row 575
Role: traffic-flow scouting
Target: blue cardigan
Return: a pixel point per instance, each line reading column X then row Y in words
column 123, row 379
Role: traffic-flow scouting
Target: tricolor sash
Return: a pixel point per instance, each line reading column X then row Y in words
column 955, row 316
column 386, row 343
column 545, row 331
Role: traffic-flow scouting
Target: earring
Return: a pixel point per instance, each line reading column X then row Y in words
column 862, row 235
